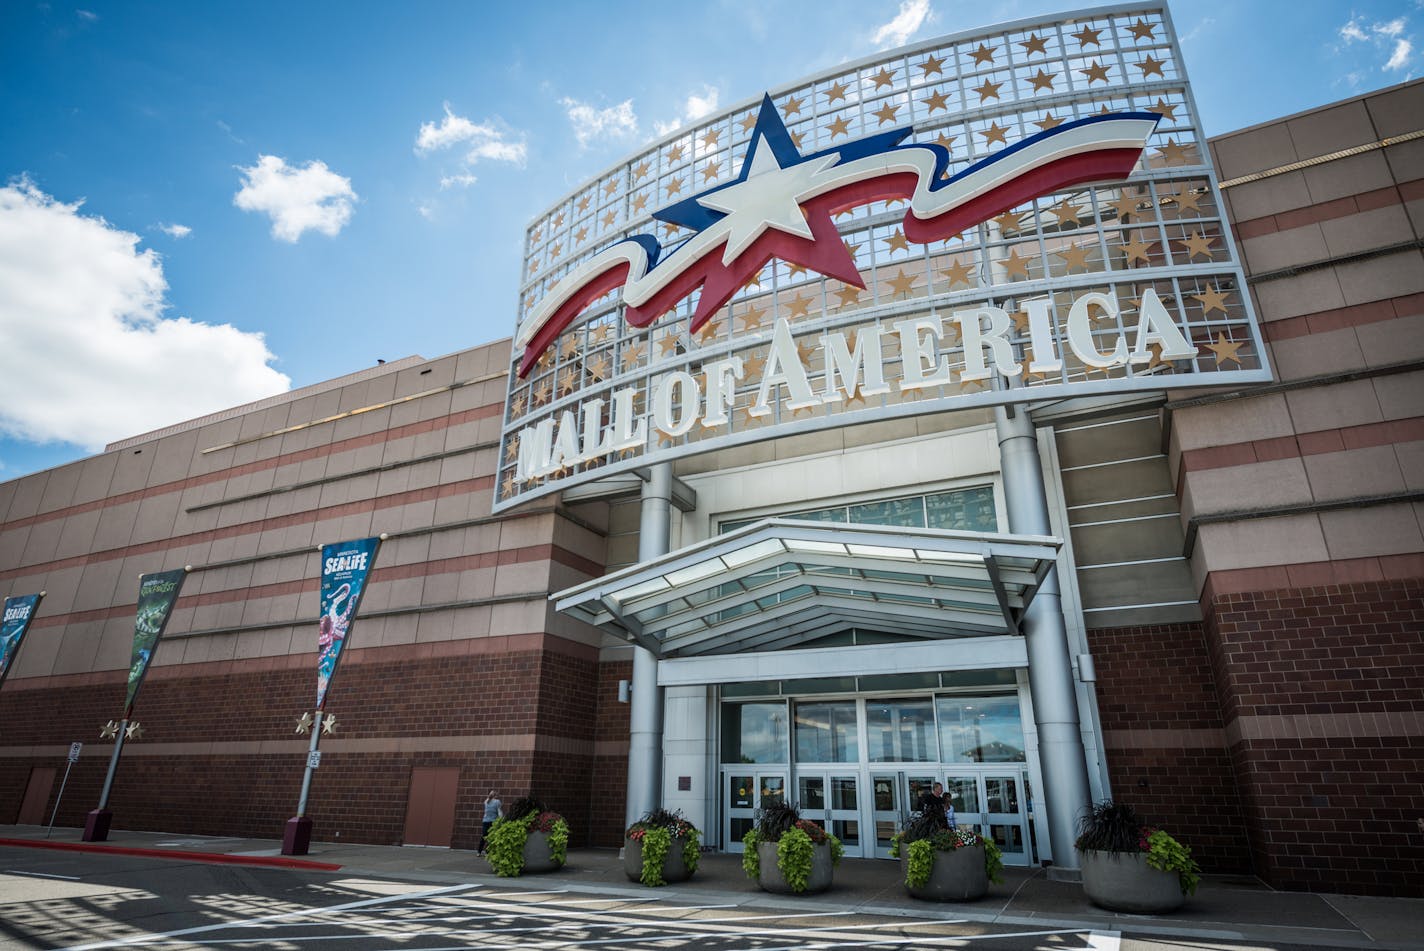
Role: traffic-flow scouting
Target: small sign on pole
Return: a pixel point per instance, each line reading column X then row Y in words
column 74, row 749
column 314, row 759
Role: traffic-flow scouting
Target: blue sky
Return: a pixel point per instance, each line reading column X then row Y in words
column 206, row 203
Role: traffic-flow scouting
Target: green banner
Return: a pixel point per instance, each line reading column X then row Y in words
column 157, row 593
column 344, row 570
column 19, row 612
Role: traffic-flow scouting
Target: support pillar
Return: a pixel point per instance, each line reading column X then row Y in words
column 1066, row 792
column 645, row 740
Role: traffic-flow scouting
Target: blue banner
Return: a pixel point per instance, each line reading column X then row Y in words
column 344, row 569
column 19, row 611
column 157, row 593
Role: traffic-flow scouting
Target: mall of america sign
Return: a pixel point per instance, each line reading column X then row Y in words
column 1021, row 213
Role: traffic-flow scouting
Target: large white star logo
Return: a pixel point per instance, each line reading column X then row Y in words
column 770, row 197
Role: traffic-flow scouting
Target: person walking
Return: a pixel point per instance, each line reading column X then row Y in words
column 493, row 807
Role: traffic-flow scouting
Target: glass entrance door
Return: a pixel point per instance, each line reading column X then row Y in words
column 1004, row 816
column 888, row 805
column 747, row 791
column 833, row 800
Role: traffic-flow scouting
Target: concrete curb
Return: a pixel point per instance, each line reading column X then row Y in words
column 216, row 858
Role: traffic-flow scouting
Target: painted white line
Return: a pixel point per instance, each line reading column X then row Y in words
column 67, row 878
column 1105, row 941
column 552, row 891
column 250, row 922
column 881, row 942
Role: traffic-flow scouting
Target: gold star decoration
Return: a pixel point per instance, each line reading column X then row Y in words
column 1034, row 44
column 134, row 731
column 1086, row 36
column 792, row 106
column 1013, row 264
column 674, row 186
column 568, row 346
column 609, row 218
column 1073, row 257
column 958, row 273
column 675, row 153
column 1135, row 250
column 1150, row 66
column 559, row 220
column 555, row 251
column 511, row 451
column 708, row 333
column 710, row 137
column 799, row 306
column 1142, row 30
column 1064, row 212
column 632, row 354
column 1007, row 221
column 988, row 90
column 639, row 171
column 1043, row 80
column 568, row 380
column 897, row 241
column 709, row 172
column 1188, row 199
column 1195, row 244
column 886, row 77
column 580, row 234
column 836, row 92
column 543, row 392
column 640, row 201
column 849, row 295
column 109, row 730
column 947, row 141
column 851, row 249
column 1172, row 153
column 534, row 236
column 753, row 365
column 982, row 55
column 610, row 187
column 902, row 283
column 839, row 126
column 749, row 121
column 937, row 100
column 1124, row 204
column 518, row 406
column 805, row 351
column 1165, row 109
column 600, row 333
column 583, row 203
column 995, row 133
column 1213, row 298
column 886, row 113
column 304, row 724
column 1049, row 121
column 507, row 488
column 1225, row 349
column 670, row 229
column 668, row 345
column 328, row 724
column 932, row 65
column 1095, row 72
column 793, row 269
column 598, row 368
column 750, row 319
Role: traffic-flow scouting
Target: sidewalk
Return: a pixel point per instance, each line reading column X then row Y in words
column 1224, row 909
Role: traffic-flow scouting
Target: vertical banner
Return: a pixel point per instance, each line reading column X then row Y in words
column 157, row 593
column 344, row 569
column 19, row 611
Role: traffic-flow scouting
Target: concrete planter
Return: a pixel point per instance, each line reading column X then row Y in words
column 538, row 857
column 1123, row 881
column 957, row 876
column 771, row 879
column 674, row 868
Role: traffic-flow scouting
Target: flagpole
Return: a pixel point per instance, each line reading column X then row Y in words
column 113, row 765
column 311, row 757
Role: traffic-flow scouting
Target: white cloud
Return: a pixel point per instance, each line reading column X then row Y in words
column 297, row 199
column 912, row 15
column 89, row 16
column 480, row 140
column 176, row 230
column 615, row 122
column 698, row 105
column 462, row 180
column 1351, row 32
column 90, row 358
column 1400, row 57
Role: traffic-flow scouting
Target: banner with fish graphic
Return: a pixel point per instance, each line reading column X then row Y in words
column 345, row 567
column 157, row 593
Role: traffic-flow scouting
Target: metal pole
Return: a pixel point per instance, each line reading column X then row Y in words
column 114, row 762
column 645, row 739
column 60, row 798
column 307, row 776
column 1050, row 668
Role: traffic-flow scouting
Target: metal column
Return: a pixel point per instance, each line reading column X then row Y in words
column 645, row 746
column 1050, row 668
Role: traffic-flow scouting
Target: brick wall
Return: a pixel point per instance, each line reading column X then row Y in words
column 1323, row 694
column 1166, row 752
column 608, row 790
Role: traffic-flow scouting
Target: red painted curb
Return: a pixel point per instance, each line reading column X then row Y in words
column 219, row 858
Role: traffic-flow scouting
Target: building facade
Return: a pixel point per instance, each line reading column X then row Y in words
column 1238, row 568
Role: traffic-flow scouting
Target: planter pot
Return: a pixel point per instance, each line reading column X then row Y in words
column 538, row 857
column 1123, row 881
column 771, row 879
column 956, row 876
column 674, row 868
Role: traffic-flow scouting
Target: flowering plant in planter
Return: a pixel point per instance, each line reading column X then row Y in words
column 796, row 841
column 1131, row 866
column 509, row 836
column 652, row 840
column 921, row 842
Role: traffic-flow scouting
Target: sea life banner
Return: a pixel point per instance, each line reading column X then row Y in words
column 157, row 593
column 345, row 567
column 19, row 611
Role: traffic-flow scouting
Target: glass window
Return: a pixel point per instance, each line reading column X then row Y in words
column 742, row 792
column 900, row 513
column 963, row 510
column 980, row 729
column 962, row 793
column 826, row 733
column 754, row 732
column 901, row 731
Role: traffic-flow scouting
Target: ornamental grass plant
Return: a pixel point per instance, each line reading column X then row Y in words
column 505, row 844
column 657, row 833
column 1116, row 827
column 796, row 840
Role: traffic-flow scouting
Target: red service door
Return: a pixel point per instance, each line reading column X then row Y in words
column 430, row 810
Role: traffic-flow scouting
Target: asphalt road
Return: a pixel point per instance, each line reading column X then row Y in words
column 92, row 901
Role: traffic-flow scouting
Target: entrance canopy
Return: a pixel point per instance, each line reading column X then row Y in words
column 783, row 583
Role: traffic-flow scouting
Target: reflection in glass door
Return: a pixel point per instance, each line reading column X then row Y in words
column 1004, row 817
column 833, row 801
column 746, row 792
column 887, row 800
